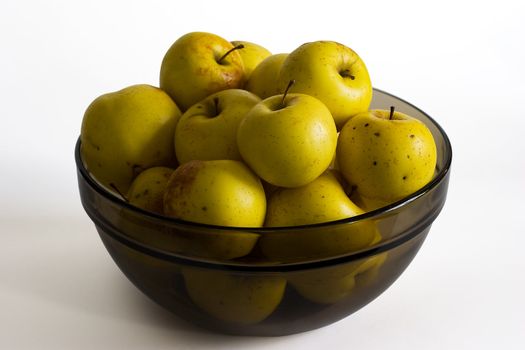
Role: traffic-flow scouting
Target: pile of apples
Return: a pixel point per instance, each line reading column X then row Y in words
column 235, row 136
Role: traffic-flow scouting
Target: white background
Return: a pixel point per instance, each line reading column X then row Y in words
column 461, row 62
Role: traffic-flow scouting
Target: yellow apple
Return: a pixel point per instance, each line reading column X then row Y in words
column 126, row 132
column 189, row 240
column 208, row 130
column 264, row 80
column 147, row 189
column 335, row 283
column 252, row 54
column 321, row 200
column 332, row 284
column 288, row 140
column 221, row 245
column 386, row 155
column 331, row 72
column 216, row 192
column 235, row 298
column 325, row 286
column 199, row 64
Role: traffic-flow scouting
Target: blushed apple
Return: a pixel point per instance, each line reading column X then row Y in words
column 216, row 192
column 199, row 64
column 147, row 189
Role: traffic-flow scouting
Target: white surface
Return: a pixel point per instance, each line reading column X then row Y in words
column 461, row 62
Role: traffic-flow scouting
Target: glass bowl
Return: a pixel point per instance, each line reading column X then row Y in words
column 269, row 281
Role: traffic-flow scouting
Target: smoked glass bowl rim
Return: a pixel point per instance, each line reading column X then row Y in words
column 378, row 248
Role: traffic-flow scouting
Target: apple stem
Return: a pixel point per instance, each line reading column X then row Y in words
column 240, row 46
column 290, row 83
column 391, row 112
column 113, row 186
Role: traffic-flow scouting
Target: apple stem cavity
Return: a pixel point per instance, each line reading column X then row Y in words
column 346, row 74
column 290, row 83
column 240, row 46
column 113, row 186
column 216, row 104
column 392, row 108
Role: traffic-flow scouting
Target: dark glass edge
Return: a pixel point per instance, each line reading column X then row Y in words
column 407, row 235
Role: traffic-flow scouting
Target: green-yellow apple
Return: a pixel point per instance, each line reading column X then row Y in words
column 288, row 140
column 332, row 284
column 147, row 189
column 219, row 245
column 252, row 54
column 216, row 192
column 127, row 131
column 219, row 192
column 146, row 192
column 264, row 80
column 333, row 73
column 236, row 298
column 321, row 200
column 386, row 155
column 199, row 64
column 216, row 244
column 208, row 129
column 367, row 273
column 325, row 286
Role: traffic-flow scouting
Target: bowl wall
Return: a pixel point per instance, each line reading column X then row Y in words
column 258, row 302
